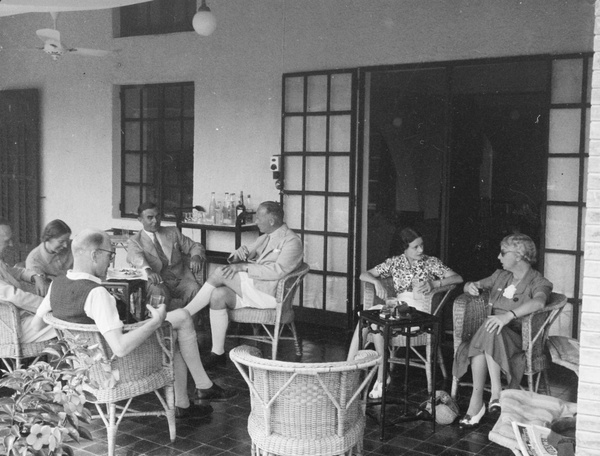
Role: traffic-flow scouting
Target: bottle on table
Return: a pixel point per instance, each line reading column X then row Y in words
column 231, row 208
column 240, row 211
column 227, row 209
column 249, row 210
column 219, row 213
column 212, row 208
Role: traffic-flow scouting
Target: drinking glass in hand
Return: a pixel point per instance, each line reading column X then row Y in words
column 416, row 284
column 157, row 300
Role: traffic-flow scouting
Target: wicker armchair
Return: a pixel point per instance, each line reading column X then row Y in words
column 281, row 315
column 146, row 369
column 306, row 409
column 470, row 312
column 11, row 347
column 435, row 302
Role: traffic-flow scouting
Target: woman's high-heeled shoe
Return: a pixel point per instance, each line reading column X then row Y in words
column 494, row 409
column 377, row 390
column 469, row 421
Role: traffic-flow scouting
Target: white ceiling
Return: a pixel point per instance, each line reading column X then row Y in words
column 12, row 7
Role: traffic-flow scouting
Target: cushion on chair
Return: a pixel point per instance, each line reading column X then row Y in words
column 528, row 408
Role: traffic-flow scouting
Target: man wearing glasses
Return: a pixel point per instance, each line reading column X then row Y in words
column 163, row 252
column 79, row 297
column 16, row 287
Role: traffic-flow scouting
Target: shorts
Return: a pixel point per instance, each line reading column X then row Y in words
column 29, row 335
column 251, row 297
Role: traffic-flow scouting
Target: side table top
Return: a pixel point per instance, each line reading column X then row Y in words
column 416, row 318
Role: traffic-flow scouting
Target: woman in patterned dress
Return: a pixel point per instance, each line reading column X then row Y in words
column 411, row 266
column 515, row 291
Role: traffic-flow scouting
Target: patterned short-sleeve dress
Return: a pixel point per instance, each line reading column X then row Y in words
column 505, row 348
column 402, row 273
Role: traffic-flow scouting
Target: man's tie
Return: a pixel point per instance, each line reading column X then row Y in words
column 161, row 253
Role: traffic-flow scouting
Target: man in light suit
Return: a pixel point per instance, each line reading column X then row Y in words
column 161, row 252
column 250, row 280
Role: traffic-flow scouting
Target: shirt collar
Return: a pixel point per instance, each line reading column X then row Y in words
column 150, row 234
column 75, row 275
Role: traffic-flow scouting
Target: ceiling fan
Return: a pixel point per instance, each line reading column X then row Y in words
column 54, row 47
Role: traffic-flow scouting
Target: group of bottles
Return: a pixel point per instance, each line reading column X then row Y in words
column 228, row 212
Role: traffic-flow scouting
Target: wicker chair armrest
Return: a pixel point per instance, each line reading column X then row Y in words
column 10, row 319
column 438, row 298
column 290, row 281
column 469, row 312
column 251, row 356
column 535, row 326
column 371, row 299
column 92, row 335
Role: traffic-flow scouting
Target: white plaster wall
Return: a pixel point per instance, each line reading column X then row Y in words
column 237, row 72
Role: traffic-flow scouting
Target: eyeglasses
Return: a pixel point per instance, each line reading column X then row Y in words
column 112, row 254
column 504, row 252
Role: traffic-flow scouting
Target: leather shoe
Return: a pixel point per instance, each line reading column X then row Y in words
column 193, row 411
column 494, row 409
column 469, row 421
column 214, row 394
column 213, row 360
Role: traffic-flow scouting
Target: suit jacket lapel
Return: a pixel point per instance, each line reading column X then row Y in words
column 273, row 242
column 148, row 245
column 165, row 242
column 260, row 247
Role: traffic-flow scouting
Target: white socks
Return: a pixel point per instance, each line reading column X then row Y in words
column 219, row 320
column 201, row 300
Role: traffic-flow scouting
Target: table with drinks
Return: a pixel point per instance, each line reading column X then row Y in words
column 397, row 320
column 221, row 217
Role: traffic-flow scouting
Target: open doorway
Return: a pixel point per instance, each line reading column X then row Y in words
column 497, row 176
column 408, row 125
column 457, row 151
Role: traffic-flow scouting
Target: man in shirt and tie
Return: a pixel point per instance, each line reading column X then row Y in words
column 250, row 280
column 163, row 253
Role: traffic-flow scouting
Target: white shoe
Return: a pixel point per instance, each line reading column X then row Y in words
column 377, row 390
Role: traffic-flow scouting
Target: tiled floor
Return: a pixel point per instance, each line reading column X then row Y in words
column 224, row 433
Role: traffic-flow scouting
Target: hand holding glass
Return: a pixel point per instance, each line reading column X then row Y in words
column 416, row 285
column 157, row 300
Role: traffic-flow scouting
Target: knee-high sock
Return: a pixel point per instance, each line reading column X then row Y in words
column 219, row 320
column 201, row 300
column 180, row 385
column 188, row 346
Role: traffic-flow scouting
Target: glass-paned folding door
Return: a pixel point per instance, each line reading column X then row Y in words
column 568, row 152
column 318, row 190
column 465, row 152
column 468, row 152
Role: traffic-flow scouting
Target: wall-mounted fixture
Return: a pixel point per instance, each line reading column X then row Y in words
column 204, row 21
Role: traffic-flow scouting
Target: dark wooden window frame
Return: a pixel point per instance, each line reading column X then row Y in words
column 153, row 187
column 157, row 17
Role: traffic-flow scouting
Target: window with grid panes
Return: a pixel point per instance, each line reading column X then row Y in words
column 157, row 17
column 157, row 146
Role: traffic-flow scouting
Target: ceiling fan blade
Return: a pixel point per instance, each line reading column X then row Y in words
column 89, row 52
column 48, row 34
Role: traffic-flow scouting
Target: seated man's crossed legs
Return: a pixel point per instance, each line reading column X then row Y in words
column 224, row 290
column 187, row 357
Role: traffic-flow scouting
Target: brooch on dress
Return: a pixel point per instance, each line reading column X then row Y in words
column 509, row 292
